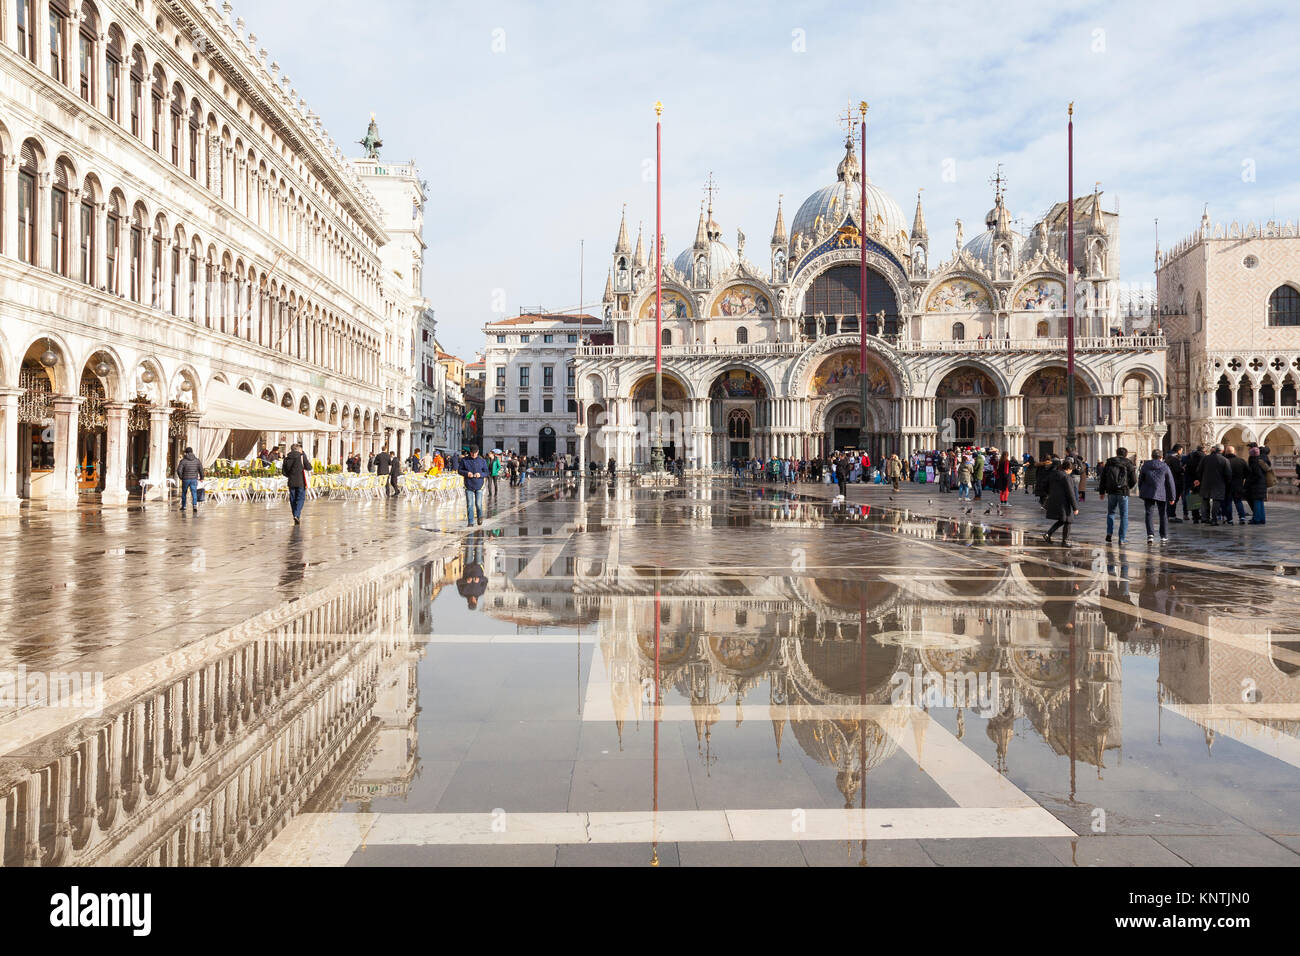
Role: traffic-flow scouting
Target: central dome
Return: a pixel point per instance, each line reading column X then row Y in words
column 831, row 204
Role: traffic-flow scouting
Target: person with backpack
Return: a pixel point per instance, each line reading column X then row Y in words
column 297, row 469
column 1118, row 477
column 1259, row 478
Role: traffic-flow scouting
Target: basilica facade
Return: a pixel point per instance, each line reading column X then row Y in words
column 762, row 361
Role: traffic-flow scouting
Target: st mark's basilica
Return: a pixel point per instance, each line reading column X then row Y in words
column 762, row 361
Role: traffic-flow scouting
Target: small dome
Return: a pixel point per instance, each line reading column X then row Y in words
column 721, row 261
column 981, row 248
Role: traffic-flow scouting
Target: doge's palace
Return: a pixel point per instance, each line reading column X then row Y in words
column 173, row 215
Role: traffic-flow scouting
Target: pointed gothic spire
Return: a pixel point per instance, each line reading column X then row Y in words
column 702, row 231
column 778, row 231
column 623, row 245
column 639, row 256
column 918, row 222
column 609, row 287
column 1097, row 225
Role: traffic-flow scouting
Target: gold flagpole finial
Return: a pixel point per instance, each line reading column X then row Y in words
column 1070, row 109
column 659, row 108
column 862, row 108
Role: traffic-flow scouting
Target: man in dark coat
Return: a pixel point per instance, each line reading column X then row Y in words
column 190, row 472
column 1256, row 488
column 842, row 471
column 1191, row 477
column 1062, row 501
column 1175, row 462
column 1236, row 486
column 382, row 461
column 1214, row 481
column 394, row 472
column 296, row 468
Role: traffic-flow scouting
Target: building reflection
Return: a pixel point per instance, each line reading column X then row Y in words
column 207, row 766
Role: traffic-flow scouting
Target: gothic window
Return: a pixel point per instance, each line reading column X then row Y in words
column 958, row 332
column 113, row 240
column 742, row 336
column 1200, row 315
column 196, row 125
column 667, row 337
column 1042, row 331
column 178, row 123
column 738, row 428
column 964, row 423
column 1223, row 394
column 1284, row 306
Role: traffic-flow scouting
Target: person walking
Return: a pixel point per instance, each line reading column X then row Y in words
column 494, row 472
column 1260, row 474
column 382, row 462
column 977, row 476
column 842, row 474
column 296, row 469
column 1214, row 482
column 1062, row 501
column 474, row 470
column 1118, row 477
column 1236, row 486
column 394, row 472
column 893, row 470
column 1157, row 490
column 189, row 471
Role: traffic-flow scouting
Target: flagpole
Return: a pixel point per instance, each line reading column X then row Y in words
column 657, row 453
column 1071, row 435
column 863, row 384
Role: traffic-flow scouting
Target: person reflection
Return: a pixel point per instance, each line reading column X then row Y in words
column 473, row 579
column 1118, row 619
column 294, row 560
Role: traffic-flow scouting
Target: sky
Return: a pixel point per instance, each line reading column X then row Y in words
column 533, row 123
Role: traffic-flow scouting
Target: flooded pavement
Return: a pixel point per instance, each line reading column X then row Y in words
column 712, row 674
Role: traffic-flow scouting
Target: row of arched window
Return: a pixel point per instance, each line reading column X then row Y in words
column 116, row 79
column 72, row 226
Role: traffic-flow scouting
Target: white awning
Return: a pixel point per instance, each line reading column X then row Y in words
column 231, row 408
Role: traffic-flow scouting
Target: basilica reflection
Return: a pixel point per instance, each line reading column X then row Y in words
column 870, row 651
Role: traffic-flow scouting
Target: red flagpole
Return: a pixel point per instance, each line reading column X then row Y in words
column 659, row 252
column 657, row 453
column 862, row 284
column 1070, row 428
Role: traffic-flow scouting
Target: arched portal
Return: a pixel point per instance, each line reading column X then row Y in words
column 738, row 416
column 670, row 428
column 969, row 399
column 1046, row 419
column 836, row 382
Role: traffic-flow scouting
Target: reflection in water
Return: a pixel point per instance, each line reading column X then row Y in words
column 868, row 642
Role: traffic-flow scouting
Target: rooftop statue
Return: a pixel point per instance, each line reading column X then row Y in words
column 372, row 142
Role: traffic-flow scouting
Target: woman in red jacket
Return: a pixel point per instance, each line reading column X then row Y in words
column 1002, row 477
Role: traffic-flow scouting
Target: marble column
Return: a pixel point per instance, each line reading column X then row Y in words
column 115, row 451
column 63, row 483
column 159, row 425
column 9, row 451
